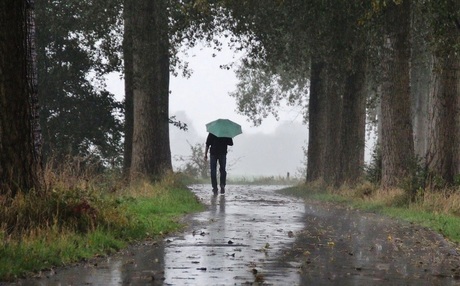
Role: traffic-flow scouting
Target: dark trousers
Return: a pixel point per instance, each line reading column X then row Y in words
column 222, row 159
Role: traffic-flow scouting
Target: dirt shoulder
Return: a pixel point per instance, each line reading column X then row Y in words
column 350, row 247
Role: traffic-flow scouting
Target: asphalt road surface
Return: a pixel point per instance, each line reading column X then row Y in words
column 253, row 235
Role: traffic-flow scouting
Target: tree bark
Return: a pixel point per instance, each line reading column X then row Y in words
column 317, row 120
column 151, row 155
column 397, row 141
column 444, row 152
column 333, row 102
column 353, row 128
column 444, row 146
column 421, row 78
column 19, row 130
column 128, row 15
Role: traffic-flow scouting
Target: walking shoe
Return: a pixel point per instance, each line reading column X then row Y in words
column 214, row 191
column 222, row 190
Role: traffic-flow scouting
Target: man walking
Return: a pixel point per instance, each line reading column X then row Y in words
column 218, row 153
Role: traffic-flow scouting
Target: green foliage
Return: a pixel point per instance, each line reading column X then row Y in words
column 282, row 38
column 79, row 210
column 457, row 180
column 193, row 22
column 177, row 123
column 443, row 17
column 413, row 184
column 194, row 164
column 416, row 182
column 260, row 91
column 373, row 170
column 78, row 42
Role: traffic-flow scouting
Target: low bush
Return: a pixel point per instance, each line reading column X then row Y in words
column 73, row 219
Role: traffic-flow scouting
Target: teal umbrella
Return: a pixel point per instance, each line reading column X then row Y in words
column 224, row 128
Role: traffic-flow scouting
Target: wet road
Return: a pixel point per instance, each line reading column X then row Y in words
column 344, row 246
column 254, row 236
column 239, row 240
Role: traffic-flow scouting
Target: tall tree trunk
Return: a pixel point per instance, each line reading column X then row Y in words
column 333, row 102
column 19, row 130
column 444, row 153
column 317, row 120
column 444, row 147
column 420, row 116
column 353, row 122
column 151, row 155
column 32, row 80
column 128, row 15
column 421, row 77
column 397, row 141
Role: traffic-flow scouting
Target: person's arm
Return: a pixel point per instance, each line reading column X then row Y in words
column 230, row 142
column 208, row 143
column 206, row 152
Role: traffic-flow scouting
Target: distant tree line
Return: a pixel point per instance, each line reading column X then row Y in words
column 396, row 59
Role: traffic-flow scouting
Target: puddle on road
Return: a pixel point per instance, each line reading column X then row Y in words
column 239, row 240
column 243, row 235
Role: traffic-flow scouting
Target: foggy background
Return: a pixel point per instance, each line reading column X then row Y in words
column 271, row 149
column 253, row 154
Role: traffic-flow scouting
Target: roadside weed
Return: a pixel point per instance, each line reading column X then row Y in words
column 69, row 222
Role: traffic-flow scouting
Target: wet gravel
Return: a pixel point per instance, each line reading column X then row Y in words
column 342, row 246
column 253, row 235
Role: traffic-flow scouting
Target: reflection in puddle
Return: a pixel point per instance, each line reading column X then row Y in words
column 236, row 240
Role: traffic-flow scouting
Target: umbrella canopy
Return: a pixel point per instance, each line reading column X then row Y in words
column 224, row 128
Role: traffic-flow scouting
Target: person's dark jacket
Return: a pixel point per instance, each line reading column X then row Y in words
column 218, row 144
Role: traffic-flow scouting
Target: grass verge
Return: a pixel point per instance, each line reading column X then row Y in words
column 263, row 180
column 68, row 224
column 435, row 210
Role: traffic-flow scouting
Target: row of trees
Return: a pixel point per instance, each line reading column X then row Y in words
column 55, row 53
column 338, row 55
column 403, row 53
column 78, row 44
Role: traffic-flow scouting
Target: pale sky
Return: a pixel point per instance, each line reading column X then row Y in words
column 205, row 95
column 272, row 149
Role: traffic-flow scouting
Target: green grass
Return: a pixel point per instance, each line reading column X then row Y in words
column 250, row 180
column 20, row 258
column 120, row 219
column 263, row 180
column 446, row 224
column 158, row 214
